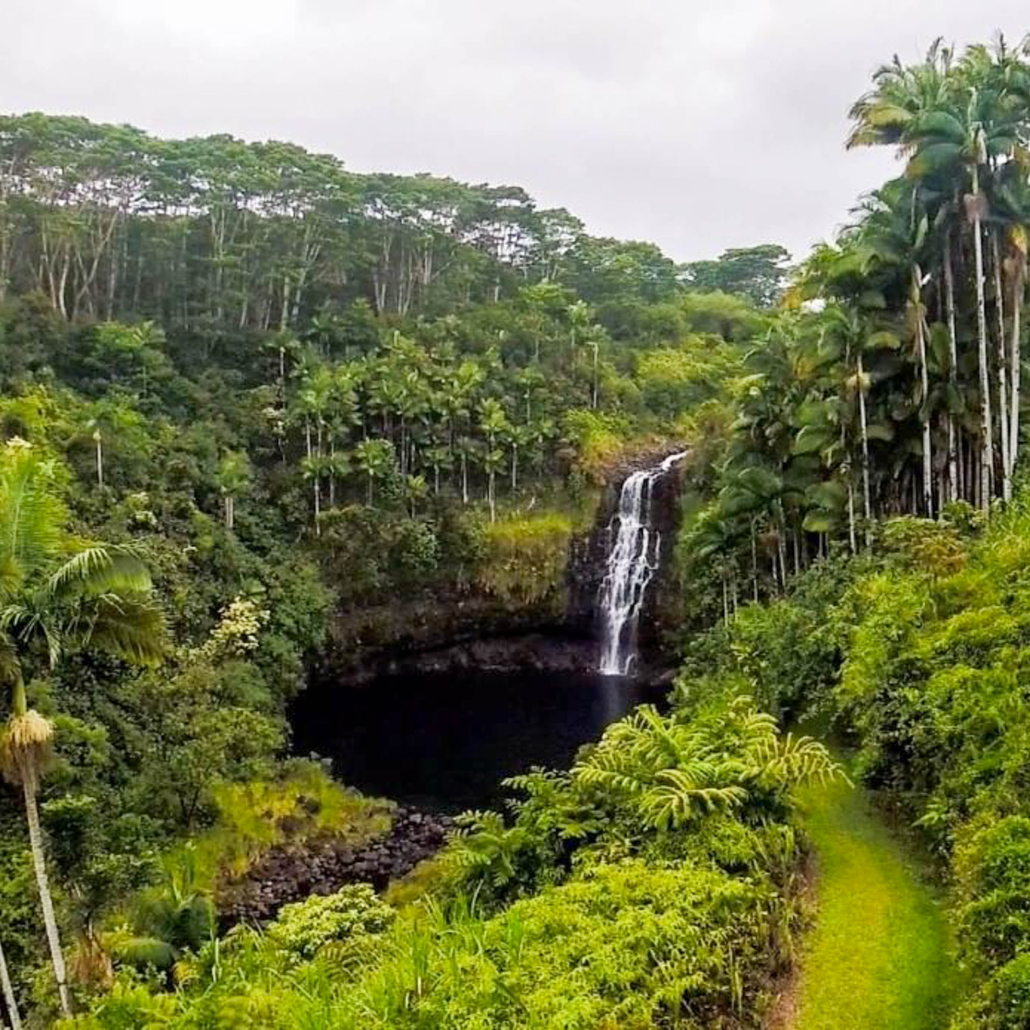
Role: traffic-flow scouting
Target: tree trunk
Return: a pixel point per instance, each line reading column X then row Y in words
column 7, row 988
column 230, row 513
column 1014, row 359
column 42, row 883
column 100, row 459
column 863, row 422
column 924, row 377
column 851, row 518
column 949, row 288
column 754, row 560
column 987, row 440
column 1003, row 400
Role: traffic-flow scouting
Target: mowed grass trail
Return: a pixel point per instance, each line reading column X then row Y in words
column 879, row 955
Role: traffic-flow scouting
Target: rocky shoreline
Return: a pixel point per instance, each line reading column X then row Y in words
column 294, row 871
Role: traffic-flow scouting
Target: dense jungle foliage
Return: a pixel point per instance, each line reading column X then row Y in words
column 246, row 393
column 890, row 382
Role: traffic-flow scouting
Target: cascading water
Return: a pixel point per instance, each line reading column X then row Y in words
column 632, row 563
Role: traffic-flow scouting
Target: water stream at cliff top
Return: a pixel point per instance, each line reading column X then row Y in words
column 632, row 562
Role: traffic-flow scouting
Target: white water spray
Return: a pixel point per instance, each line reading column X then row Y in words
column 632, row 563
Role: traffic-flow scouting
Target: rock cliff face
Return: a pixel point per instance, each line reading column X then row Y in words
column 444, row 631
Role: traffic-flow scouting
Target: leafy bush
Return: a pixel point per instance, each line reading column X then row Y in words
column 355, row 910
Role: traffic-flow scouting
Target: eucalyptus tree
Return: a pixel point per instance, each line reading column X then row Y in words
column 57, row 594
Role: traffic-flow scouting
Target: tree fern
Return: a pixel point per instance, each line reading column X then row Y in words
column 672, row 773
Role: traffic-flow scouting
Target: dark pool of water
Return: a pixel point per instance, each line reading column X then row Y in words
column 444, row 742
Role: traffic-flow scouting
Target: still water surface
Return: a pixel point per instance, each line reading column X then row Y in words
column 444, row 742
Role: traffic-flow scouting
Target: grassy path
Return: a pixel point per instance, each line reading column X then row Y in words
column 878, row 957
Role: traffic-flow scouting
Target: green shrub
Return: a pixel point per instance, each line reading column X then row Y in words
column 306, row 926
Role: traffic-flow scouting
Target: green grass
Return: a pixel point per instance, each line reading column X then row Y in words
column 252, row 817
column 879, row 955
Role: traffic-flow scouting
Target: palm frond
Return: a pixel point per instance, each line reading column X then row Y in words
column 32, row 517
column 127, row 626
column 98, row 569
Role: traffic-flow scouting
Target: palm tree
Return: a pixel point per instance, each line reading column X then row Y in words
column 234, row 476
column 7, row 991
column 57, row 593
column 894, row 233
column 954, row 123
column 960, row 141
column 494, row 423
column 98, row 443
column 1012, row 206
column 375, row 458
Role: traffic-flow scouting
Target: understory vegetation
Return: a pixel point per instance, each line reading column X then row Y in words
column 654, row 884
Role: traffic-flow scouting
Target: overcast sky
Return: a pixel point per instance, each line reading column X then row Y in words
column 698, row 124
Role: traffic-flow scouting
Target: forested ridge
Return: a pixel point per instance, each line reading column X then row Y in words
column 251, row 399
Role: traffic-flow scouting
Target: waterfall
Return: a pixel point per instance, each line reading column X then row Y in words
column 632, row 563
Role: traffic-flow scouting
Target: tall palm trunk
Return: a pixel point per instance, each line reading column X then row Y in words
column 917, row 280
column 986, row 423
column 851, row 518
column 98, row 440
column 754, row 560
column 1014, row 359
column 46, row 901
column 1003, row 400
column 28, row 775
column 7, row 989
column 949, row 291
column 863, row 422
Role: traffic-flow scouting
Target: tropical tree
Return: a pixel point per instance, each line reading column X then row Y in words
column 7, row 993
column 494, row 424
column 57, row 594
column 234, row 477
column 375, row 459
